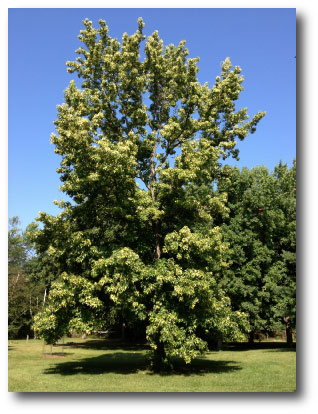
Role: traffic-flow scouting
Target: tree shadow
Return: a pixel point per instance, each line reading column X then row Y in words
column 274, row 346
column 131, row 363
column 201, row 366
column 56, row 354
column 282, row 350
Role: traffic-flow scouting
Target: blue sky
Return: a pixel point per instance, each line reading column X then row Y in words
column 261, row 41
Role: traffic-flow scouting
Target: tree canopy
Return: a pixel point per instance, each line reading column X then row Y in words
column 140, row 141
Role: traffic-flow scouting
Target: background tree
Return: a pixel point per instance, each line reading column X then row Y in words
column 140, row 143
column 17, row 254
column 23, row 293
column 261, row 230
column 281, row 281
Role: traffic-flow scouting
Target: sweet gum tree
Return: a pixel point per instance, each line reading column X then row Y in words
column 140, row 142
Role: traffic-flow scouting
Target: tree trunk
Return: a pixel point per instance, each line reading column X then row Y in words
column 159, row 357
column 251, row 337
column 289, row 332
column 44, row 297
column 123, row 331
column 156, row 234
column 31, row 314
column 155, row 223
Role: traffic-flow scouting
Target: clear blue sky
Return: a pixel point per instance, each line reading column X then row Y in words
column 261, row 41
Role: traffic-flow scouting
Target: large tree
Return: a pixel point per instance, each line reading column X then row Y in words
column 140, row 141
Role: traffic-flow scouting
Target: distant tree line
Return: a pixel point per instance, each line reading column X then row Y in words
column 29, row 279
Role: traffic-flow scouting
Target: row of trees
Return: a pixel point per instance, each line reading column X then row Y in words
column 160, row 233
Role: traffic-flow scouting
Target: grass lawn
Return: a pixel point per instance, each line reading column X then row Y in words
column 95, row 365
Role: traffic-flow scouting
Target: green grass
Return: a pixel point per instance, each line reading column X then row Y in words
column 95, row 365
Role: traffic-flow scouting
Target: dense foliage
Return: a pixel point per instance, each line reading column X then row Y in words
column 261, row 229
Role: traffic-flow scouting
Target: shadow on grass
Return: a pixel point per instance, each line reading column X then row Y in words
column 56, row 354
column 131, row 363
column 274, row 346
column 282, row 350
